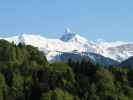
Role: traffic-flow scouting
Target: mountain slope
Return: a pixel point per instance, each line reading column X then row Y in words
column 96, row 58
column 127, row 63
column 71, row 42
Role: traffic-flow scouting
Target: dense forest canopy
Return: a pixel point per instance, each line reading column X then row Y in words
column 25, row 74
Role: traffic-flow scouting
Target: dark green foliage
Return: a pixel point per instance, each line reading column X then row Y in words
column 57, row 94
column 25, row 74
column 2, row 87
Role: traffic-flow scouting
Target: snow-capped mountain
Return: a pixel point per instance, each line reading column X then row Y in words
column 118, row 50
column 74, row 43
column 73, row 37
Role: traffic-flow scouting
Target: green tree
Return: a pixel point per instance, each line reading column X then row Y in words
column 17, row 87
column 93, row 93
column 61, row 75
column 3, row 87
column 105, row 85
column 57, row 94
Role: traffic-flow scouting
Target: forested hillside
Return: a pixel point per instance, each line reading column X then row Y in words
column 25, row 74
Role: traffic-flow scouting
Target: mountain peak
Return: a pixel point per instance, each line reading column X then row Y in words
column 67, row 30
column 72, row 36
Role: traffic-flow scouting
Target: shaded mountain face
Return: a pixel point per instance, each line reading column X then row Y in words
column 127, row 63
column 95, row 58
column 71, row 43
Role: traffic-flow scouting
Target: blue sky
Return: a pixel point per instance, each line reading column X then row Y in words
column 108, row 19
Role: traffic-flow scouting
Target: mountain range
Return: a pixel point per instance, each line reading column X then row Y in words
column 72, row 45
